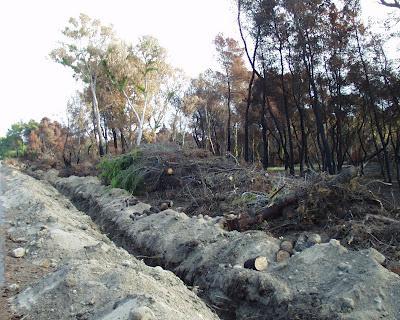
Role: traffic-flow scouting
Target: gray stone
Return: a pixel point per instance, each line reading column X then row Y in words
column 18, row 253
column 334, row 243
column 52, row 219
column 141, row 313
column 376, row 255
column 347, row 304
column 306, row 240
column 13, row 287
column 344, row 266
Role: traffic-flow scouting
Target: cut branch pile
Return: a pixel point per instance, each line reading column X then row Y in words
column 199, row 182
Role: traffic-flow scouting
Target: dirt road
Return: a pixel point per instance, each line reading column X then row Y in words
column 2, row 248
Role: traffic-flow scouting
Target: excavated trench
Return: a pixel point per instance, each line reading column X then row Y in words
column 325, row 281
column 60, row 266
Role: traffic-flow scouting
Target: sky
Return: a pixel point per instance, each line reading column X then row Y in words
column 32, row 86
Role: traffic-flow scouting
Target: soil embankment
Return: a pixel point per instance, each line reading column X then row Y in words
column 60, row 266
column 324, row 281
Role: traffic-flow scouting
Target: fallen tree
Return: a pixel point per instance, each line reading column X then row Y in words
column 325, row 281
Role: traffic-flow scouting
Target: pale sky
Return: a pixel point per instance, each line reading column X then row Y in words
column 32, row 86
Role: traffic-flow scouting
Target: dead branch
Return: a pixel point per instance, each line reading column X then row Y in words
column 381, row 218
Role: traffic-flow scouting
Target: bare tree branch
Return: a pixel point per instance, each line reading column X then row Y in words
column 393, row 4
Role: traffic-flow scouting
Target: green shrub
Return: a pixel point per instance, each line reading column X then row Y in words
column 123, row 172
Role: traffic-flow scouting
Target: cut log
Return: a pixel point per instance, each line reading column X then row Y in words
column 259, row 263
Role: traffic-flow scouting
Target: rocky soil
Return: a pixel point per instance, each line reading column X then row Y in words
column 60, row 266
column 313, row 280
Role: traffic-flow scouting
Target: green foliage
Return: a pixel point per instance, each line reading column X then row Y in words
column 123, row 172
column 14, row 144
column 244, row 199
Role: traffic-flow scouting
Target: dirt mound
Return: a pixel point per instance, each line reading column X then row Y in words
column 83, row 274
column 323, row 281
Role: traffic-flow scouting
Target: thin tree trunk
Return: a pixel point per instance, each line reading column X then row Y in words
column 286, row 108
column 371, row 101
column 228, row 129
column 114, row 133
column 96, row 113
column 123, row 144
column 264, row 127
column 246, row 120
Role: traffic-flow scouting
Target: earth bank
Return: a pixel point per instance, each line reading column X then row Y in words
column 65, row 268
column 324, row 281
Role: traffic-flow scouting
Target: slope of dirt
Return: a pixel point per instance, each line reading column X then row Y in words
column 69, row 270
column 324, row 281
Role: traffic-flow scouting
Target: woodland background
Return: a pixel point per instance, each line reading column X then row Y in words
column 310, row 86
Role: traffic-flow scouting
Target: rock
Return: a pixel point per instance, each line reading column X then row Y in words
column 126, row 263
column 379, row 303
column 314, row 238
column 376, row 255
column 52, row 219
column 179, row 209
column 347, row 304
column 53, row 263
column 83, row 227
column 282, row 255
column 19, row 240
column 344, row 266
column 154, row 210
column 306, row 241
column 141, row 313
column 159, row 269
column 45, row 263
column 164, row 206
column 131, row 201
column 287, row 246
column 18, row 253
column 334, row 243
column 13, row 287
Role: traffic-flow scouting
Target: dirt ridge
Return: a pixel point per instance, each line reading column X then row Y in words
column 325, row 281
column 83, row 275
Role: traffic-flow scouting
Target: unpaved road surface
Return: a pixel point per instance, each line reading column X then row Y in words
column 2, row 248
column 68, row 269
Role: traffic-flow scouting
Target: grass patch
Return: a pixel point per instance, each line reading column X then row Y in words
column 123, row 172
